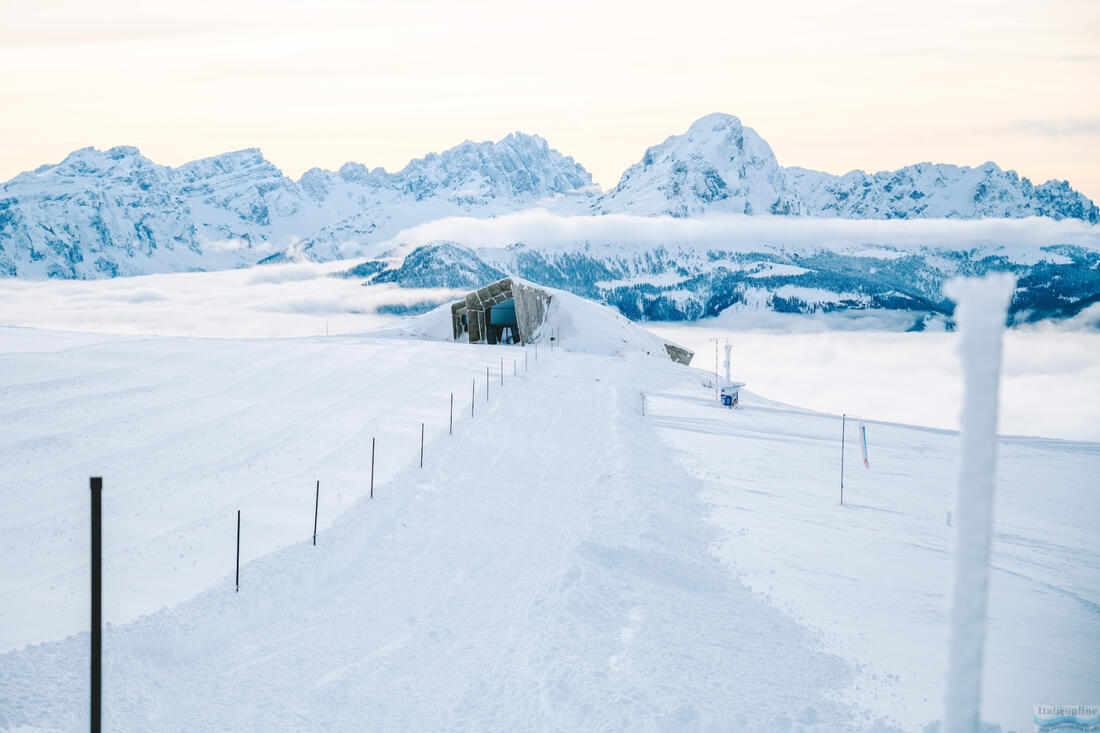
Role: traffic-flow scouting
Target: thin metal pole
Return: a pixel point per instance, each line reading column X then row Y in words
column 473, row 395
column 372, row 468
column 422, row 445
column 502, row 371
column 451, row 418
column 316, row 505
column 237, row 577
column 843, row 421
column 515, row 368
column 97, row 601
column 486, row 384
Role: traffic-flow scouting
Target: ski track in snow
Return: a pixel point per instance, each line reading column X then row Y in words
column 548, row 568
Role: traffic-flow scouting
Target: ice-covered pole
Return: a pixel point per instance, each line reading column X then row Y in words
column 980, row 314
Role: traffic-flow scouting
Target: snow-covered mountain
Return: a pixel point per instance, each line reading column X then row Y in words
column 115, row 212
column 719, row 165
column 685, row 282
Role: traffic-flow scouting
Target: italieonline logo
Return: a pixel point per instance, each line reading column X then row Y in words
column 1067, row 717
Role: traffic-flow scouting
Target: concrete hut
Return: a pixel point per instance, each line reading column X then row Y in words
column 503, row 312
column 510, row 312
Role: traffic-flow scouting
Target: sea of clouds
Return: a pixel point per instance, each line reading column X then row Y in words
column 1051, row 384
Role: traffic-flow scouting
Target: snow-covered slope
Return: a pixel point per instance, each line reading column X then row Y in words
column 560, row 562
column 114, row 212
column 719, row 165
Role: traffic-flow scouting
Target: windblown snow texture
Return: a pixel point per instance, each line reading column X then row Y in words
column 981, row 313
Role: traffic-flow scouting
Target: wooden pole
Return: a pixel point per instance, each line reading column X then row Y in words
column 97, row 602
column 316, row 505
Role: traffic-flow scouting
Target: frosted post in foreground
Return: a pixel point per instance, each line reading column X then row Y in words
column 980, row 314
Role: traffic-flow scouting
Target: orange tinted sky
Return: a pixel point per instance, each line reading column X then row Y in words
column 833, row 86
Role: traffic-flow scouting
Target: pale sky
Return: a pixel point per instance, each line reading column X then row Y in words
column 831, row 85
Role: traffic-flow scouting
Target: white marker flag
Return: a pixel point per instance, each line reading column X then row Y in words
column 863, row 443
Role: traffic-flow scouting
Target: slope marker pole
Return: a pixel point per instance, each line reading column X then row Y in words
column 843, row 421
column 372, row 468
column 96, row 667
column 451, row 417
column 237, row 577
column 316, row 505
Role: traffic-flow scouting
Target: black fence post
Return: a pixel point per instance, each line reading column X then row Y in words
column 237, row 577
column 316, row 506
column 372, row 468
column 97, row 602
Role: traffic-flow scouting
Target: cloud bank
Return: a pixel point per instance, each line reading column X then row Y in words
column 542, row 228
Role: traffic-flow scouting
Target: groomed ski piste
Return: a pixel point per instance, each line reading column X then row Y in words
column 599, row 546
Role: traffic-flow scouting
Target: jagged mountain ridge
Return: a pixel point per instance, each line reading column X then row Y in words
column 719, row 165
column 115, row 212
